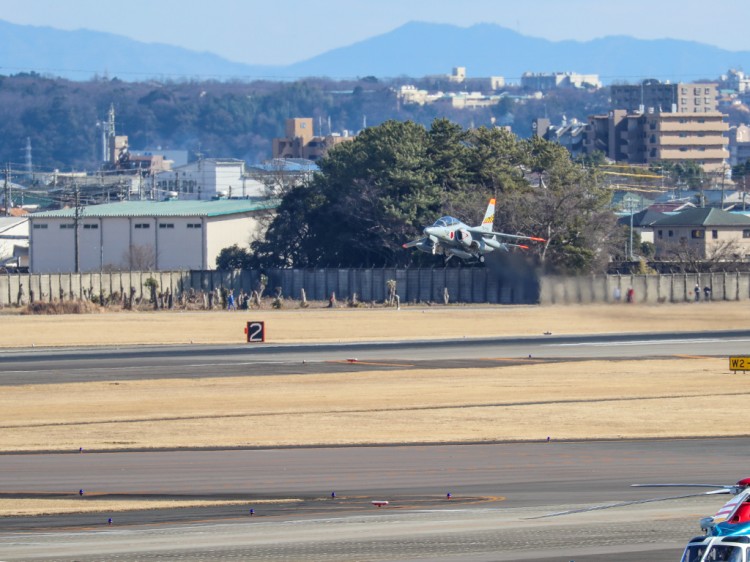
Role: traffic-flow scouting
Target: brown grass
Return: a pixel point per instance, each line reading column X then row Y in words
column 313, row 325
column 596, row 399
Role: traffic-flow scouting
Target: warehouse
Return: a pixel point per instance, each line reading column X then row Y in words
column 143, row 235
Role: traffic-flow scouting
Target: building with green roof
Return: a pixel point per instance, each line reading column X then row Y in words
column 703, row 233
column 143, row 235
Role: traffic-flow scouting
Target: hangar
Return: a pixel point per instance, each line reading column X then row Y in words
column 142, row 235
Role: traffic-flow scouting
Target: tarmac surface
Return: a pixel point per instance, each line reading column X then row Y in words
column 56, row 365
column 498, row 491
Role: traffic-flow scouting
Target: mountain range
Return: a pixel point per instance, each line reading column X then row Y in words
column 415, row 49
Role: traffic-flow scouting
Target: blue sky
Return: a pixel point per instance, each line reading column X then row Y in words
column 286, row 31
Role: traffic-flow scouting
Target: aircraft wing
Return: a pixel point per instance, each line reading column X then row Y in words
column 413, row 243
column 490, row 234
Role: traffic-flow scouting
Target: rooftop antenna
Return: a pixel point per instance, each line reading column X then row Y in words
column 364, row 122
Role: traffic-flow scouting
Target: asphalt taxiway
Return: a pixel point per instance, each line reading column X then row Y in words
column 497, row 490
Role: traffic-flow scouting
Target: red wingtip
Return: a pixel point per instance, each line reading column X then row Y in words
column 523, row 247
column 537, row 239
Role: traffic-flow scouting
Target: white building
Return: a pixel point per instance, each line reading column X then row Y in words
column 207, row 179
column 143, row 235
column 14, row 241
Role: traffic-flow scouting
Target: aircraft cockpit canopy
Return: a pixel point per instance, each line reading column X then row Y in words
column 446, row 221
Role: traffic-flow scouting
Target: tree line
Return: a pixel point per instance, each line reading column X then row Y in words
column 380, row 190
column 227, row 119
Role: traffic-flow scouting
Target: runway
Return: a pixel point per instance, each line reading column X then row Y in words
column 52, row 365
column 496, row 490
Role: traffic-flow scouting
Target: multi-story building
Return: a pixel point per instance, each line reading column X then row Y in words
column 301, row 142
column 644, row 138
column 664, row 97
column 570, row 134
column 544, row 81
column 458, row 75
column 204, row 179
column 693, row 136
column 739, row 145
column 737, row 80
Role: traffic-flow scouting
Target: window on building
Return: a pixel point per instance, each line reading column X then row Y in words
column 697, row 91
column 90, row 226
column 683, row 135
column 684, row 91
column 40, row 226
column 701, row 120
column 194, row 225
column 683, row 101
column 660, row 233
column 671, row 233
column 697, row 234
column 714, row 234
column 70, row 226
column 706, row 100
column 707, row 91
column 697, row 101
column 166, row 225
column 142, row 225
column 746, row 233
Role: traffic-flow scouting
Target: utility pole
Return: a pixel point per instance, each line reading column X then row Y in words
column 76, row 220
column 7, row 190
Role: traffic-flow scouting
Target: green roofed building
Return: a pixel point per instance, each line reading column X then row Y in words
column 142, row 235
column 703, row 233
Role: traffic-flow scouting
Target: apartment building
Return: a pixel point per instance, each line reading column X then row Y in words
column 644, row 138
column 700, row 137
column 301, row 142
column 545, row 81
column 652, row 95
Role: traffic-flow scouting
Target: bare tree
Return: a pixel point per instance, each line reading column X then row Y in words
column 140, row 257
column 719, row 256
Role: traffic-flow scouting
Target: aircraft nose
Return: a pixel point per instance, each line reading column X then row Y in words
column 430, row 230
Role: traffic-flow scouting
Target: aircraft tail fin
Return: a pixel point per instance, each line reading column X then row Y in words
column 489, row 217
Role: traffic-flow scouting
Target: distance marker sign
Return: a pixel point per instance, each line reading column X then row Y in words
column 256, row 332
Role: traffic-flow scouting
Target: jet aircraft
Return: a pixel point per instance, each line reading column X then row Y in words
column 451, row 237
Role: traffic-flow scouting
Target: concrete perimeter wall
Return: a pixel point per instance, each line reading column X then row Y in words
column 646, row 288
column 465, row 285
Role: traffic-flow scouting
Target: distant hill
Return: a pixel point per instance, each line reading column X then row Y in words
column 81, row 54
column 414, row 49
column 419, row 49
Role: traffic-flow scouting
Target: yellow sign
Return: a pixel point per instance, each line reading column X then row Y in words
column 739, row 363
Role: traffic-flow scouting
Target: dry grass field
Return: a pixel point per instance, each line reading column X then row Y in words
column 578, row 400
column 341, row 324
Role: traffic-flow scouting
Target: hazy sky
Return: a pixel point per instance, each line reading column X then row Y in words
column 286, row 31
